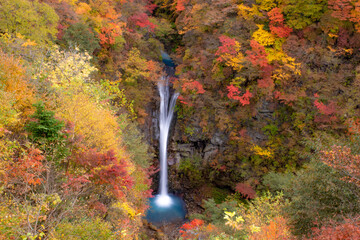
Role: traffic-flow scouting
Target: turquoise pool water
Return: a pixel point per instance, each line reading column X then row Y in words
column 165, row 209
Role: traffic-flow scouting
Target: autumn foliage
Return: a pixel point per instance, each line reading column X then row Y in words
column 180, row 5
column 230, row 53
column 105, row 169
column 277, row 26
column 234, row 92
column 341, row 159
column 14, row 81
column 245, row 190
column 277, row 228
column 348, row 229
column 26, row 170
column 257, row 55
column 191, row 230
column 193, row 86
column 142, row 20
column 108, row 34
column 228, row 46
column 328, row 111
column 346, row 10
column 52, row 172
column 77, row 164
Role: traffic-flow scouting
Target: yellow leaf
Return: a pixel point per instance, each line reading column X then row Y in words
column 18, row 35
column 248, row 12
column 262, row 152
column 254, row 229
column 231, row 214
column 266, row 5
column 263, row 37
column 239, row 219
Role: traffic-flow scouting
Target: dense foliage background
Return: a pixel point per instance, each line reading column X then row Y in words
column 266, row 142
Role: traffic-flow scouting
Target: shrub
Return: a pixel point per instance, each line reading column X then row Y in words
column 81, row 36
column 347, row 230
column 214, row 212
column 190, row 169
column 32, row 19
column 262, row 216
column 83, row 229
column 317, row 195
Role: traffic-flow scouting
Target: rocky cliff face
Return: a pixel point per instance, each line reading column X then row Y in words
column 203, row 150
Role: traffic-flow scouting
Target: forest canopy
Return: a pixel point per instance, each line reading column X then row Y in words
column 266, row 139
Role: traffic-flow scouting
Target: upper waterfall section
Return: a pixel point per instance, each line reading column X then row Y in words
column 166, row 59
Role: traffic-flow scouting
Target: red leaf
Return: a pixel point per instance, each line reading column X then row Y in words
column 234, row 92
column 246, row 190
column 193, row 86
column 142, row 20
column 257, row 55
column 227, row 47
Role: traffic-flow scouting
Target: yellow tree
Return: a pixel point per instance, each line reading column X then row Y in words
column 84, row 104
column 17, row 96
column 81, row 101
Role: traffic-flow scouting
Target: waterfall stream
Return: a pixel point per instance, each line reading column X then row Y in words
column 167, row 105
column 165, row 207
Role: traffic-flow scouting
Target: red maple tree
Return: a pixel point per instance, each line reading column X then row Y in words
column 234, row 94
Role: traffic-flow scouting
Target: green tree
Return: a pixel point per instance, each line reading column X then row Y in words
column 37, row 21
column 82, row 36
column 317, row 195
column 45, row 126
column 46, row 132
column 301, row 13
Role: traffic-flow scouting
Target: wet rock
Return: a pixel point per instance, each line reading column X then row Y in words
column 209, row 148
column 177, row 158
column 209, row 152
column 171, row 161
column 218, row 138
column 156, row 130
column 256, row 135
column 209, row 155
column 185, row 154
column 196, row 135
column 185, row 150
column 265, row 111
column 186, row 147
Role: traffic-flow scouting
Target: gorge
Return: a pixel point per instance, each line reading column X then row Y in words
column 262, row 143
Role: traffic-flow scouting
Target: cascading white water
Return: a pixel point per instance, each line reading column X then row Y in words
column 164, row 207
column 167, row 105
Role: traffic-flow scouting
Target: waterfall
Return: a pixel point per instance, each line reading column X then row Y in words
column 167, row 104
column 164, row 207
